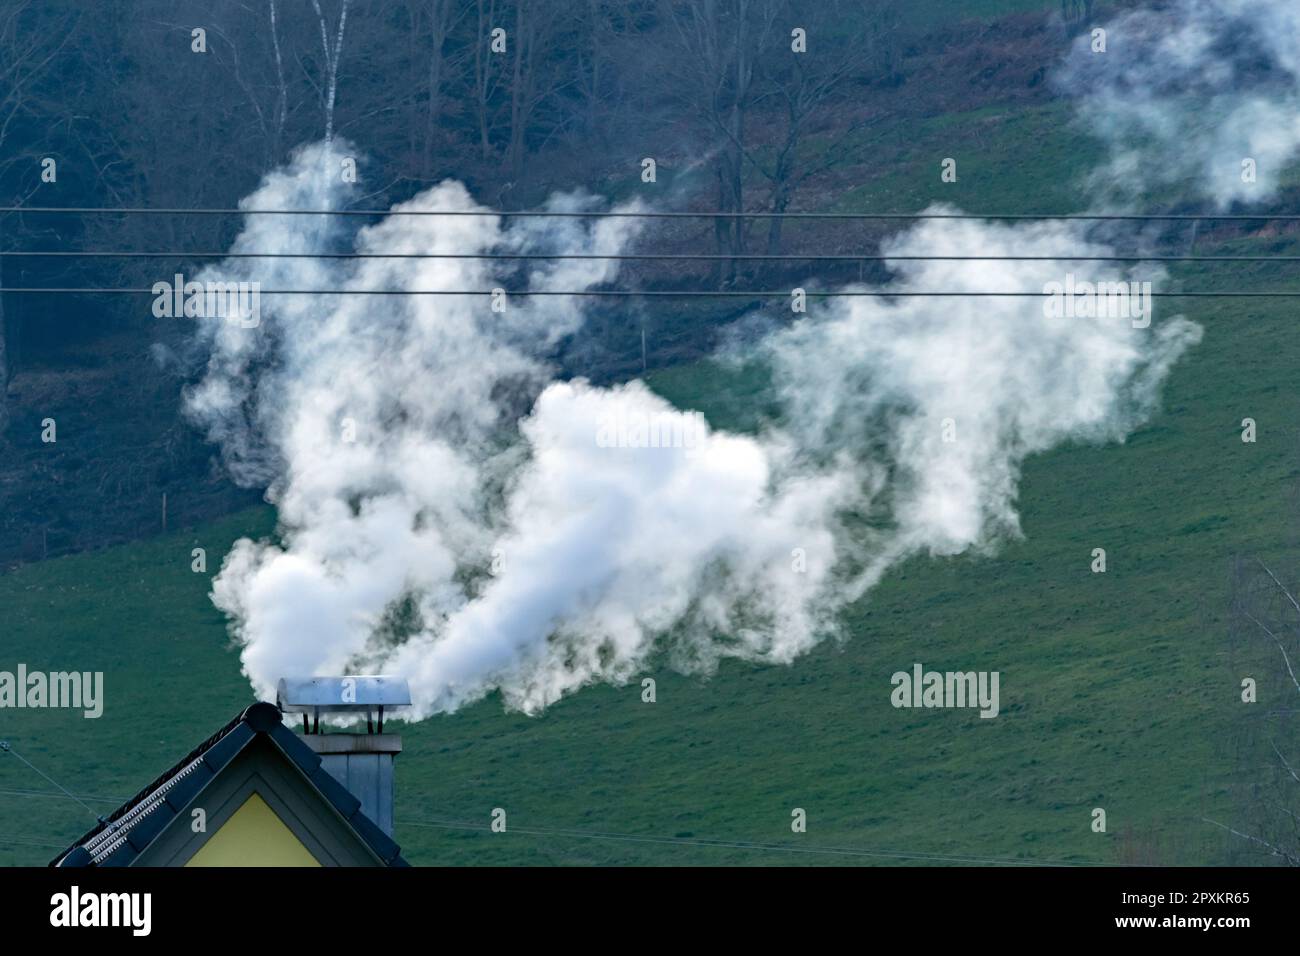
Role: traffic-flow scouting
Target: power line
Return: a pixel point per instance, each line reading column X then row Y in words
column 662, row 256
column 59, row 796
column 749, row 845
column 628, row 214
column 6, row 748
column 655, row 293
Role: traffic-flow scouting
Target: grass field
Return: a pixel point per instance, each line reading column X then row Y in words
column 1117, row 689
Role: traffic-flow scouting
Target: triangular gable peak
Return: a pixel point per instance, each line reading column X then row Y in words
column 252, row 792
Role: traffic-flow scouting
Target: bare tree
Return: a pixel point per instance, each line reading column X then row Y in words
column 486, row 78
column 27, row 54
column 332, row 52
column 596, row 19
column 804, row 85
column 444, row 16
column 718, row 46
column 281, row 114
column 523, row 82
column 542, row 71
column 230, row 53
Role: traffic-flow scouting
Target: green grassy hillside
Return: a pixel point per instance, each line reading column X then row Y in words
column 1117, row 690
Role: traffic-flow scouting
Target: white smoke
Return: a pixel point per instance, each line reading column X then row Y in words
column 428, row 530
column 606, row 549
column 952, row 394
column 380, row 424
column 1187, row 90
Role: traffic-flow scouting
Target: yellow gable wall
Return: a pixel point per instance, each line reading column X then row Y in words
column 253, row 836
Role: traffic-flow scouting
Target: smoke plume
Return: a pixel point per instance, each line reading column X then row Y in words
column 452, row 513
column 1186, row 91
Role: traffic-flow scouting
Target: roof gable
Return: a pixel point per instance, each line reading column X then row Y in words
column 255, row 752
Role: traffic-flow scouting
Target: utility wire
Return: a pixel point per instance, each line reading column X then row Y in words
column 627, row 214
column 6, row 748
column 659, row 293
column 673, row 257
column 60, row 796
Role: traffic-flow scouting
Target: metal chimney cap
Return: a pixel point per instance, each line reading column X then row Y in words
column 359, row 692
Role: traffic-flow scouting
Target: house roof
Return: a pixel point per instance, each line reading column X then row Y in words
column 118, row 839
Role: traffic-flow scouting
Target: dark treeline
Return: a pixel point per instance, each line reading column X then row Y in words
column 516, row 97
column 743, row 104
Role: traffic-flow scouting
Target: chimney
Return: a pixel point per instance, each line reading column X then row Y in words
column 362, row 762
